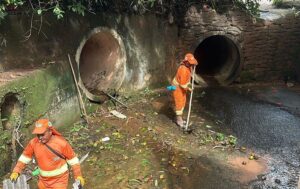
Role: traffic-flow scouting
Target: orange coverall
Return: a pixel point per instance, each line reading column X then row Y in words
column 181, row 81
column 54, row 172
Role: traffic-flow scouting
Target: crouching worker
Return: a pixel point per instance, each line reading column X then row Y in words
column 53, row 155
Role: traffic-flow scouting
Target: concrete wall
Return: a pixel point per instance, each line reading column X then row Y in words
column 153, row 46
column 146, row 39
column 35, row 67
column 26, row 95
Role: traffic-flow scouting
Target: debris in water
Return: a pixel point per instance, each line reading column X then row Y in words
column 277, row 181
column 242, row 149
column 253, row 157
column 261, row 177
column 289, row 84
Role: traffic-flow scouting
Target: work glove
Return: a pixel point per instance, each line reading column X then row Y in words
column 14, row 176
column 36, row 171
column 81, row 179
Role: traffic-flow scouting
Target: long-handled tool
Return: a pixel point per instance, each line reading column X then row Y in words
column 190, row 104
column 82, row 107
column 114, row 99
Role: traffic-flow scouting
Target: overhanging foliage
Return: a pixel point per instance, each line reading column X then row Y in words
column 60, row 7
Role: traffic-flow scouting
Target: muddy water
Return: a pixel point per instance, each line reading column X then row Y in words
column 201, row 172
column 265, row 120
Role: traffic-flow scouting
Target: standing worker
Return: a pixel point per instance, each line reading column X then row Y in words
column 53, row 155
column 182, row 83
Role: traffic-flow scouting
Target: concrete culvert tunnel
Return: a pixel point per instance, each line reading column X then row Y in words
column 219, row 60
column 10, row 119
column 101, row 61
column 10, row 111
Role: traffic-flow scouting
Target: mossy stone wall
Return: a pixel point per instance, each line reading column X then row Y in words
column 48, row 92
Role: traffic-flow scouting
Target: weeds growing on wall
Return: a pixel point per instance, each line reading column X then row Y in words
column 60, row 7
column 277, row 3
column 251, row 6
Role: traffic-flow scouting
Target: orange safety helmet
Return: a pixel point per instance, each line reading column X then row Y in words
column 42, row 125
column 191, row 59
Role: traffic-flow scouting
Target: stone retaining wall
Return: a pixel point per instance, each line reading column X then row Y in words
column 268, row 48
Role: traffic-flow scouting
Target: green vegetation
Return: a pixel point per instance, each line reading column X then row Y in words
column 59, row 8
column 251, row 6
column 277, row 3
column 108, row 160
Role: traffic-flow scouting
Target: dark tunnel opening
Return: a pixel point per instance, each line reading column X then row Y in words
column 219, row 59
column 10, row 111
column 101, row 61
column 11, row 124
column 97, row 61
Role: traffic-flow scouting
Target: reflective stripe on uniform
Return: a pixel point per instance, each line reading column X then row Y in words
column 179, row 112
column 184, row 86
column 175, row 82
column 24, row 159
column 55, row 172
column 73, row 161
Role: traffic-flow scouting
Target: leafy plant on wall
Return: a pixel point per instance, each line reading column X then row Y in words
column 277, row 3
column 251, row 6
column 60, row 7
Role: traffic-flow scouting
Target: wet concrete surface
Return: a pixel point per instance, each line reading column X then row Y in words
column 264, row 119
column 204, row 173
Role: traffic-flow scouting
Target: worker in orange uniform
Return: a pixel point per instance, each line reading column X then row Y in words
column 53, row 155
column 182, row 83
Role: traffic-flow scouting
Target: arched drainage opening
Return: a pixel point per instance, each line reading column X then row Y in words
column 101, row 61
column 219, row 60
column 11, row 120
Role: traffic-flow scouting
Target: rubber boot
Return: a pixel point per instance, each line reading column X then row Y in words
column 179, row 121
